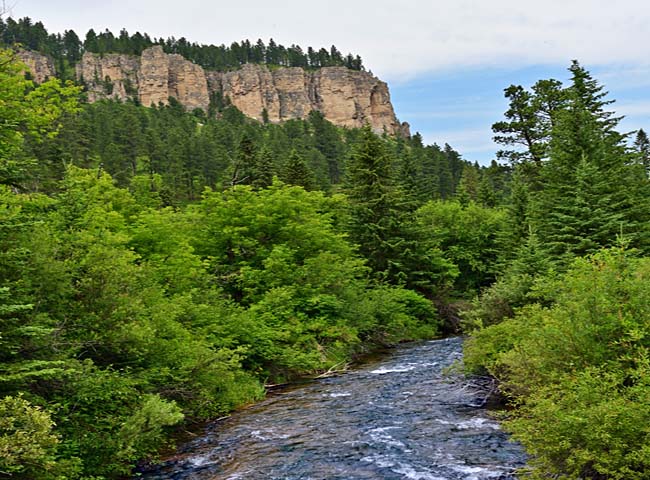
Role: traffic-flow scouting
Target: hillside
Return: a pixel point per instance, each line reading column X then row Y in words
column 268, row 83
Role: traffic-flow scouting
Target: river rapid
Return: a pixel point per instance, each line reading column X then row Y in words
column 398, row 418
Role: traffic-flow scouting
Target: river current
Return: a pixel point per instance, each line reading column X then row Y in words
column 402, row 417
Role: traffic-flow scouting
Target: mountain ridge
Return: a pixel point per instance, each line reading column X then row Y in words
column 347, row 98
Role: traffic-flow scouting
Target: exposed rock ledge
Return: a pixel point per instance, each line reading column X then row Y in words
column 345, row 97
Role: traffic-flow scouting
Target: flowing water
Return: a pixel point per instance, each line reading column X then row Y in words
column 399, row 418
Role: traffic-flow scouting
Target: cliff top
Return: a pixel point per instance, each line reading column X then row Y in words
column 69, row 48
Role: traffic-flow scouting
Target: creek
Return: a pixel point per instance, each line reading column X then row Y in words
column 401, row 417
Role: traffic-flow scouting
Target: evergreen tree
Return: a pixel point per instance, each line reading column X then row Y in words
column 589, row 195
column 445, row 175
column 263, row 169
column 296, row 171
column 90, row 43
column 518, row 217
column 429, row 159
column 72, row 46
column 529, row 121
column 245, row 159
column 375, row 221
column 642, row 149
column 487, row 194
column 409, row 181
column 327, row 141
column 468, row 187
column 66, row 52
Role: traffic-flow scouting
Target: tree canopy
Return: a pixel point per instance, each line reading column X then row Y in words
column 67, row 48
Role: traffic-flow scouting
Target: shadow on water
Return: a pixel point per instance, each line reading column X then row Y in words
column 397, row 418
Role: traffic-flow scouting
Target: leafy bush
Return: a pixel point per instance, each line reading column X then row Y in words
column 27, row 442
column 578, row 370
column 468, row 237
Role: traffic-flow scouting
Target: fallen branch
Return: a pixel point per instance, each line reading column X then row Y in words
column 334, row 370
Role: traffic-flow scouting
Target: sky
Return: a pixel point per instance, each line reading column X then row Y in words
column 446, row 63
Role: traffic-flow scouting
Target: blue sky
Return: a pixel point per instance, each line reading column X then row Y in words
column 446, row 62
column 459, row 107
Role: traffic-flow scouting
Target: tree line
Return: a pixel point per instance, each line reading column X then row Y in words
column 67, row 49
column 565, row 328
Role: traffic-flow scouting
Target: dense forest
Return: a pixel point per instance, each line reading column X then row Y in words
column 66, row 49
column 159, row 267
column 565, row 329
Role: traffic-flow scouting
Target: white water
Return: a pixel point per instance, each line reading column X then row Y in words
column 400, row 418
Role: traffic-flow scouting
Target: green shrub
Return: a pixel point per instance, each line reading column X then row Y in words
column 579, row 370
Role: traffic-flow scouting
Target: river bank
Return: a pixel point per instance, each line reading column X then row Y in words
column 399, row 417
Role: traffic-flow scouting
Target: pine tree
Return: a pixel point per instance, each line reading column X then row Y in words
column 409, row 181
column 72, row 46
column 518, row 210
column 263, row 169
column 529, row 121
column 296, row 171
column 327, row 141
column 468, row 187
column 375, row 221
column 487, row 195
column 429, row 159
column 445, row 177
column 589, row 193
column 642, row 150
column 241, row 170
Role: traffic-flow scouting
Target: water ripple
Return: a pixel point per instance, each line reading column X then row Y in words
column 400, row 418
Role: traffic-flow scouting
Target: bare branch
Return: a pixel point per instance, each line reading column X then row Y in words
column 7, row 10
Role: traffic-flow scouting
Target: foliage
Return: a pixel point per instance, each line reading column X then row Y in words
column 27, row 443
column 516, row 287
column 579, row 369
column 468, row 237
column 120, row 320
column 27, row 111
column 375, row 217
column 570, row 349
column 642, row 150
column 529, row 121
column 590, row 193
column 154, row 269
column 67, row 49
column 174, row 154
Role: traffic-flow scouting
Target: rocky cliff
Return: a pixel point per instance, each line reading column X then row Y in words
column 41, row 67
column 152, row 78
column 345, row 97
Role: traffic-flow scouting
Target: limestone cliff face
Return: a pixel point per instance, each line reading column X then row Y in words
column 41, row 67
column 152, row 78
column 352, row 98
column 345, row 97
column 188, row 83
column 109, row 76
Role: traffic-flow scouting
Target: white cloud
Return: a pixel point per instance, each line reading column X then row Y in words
column 396, row 39
column 625, row 76
column 466, row 141
column 640, row 108
column 461, row 111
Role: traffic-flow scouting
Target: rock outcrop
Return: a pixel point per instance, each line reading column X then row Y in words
column 109, row 76
column 345, row 97
column 41, row 67
column 151, row 78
